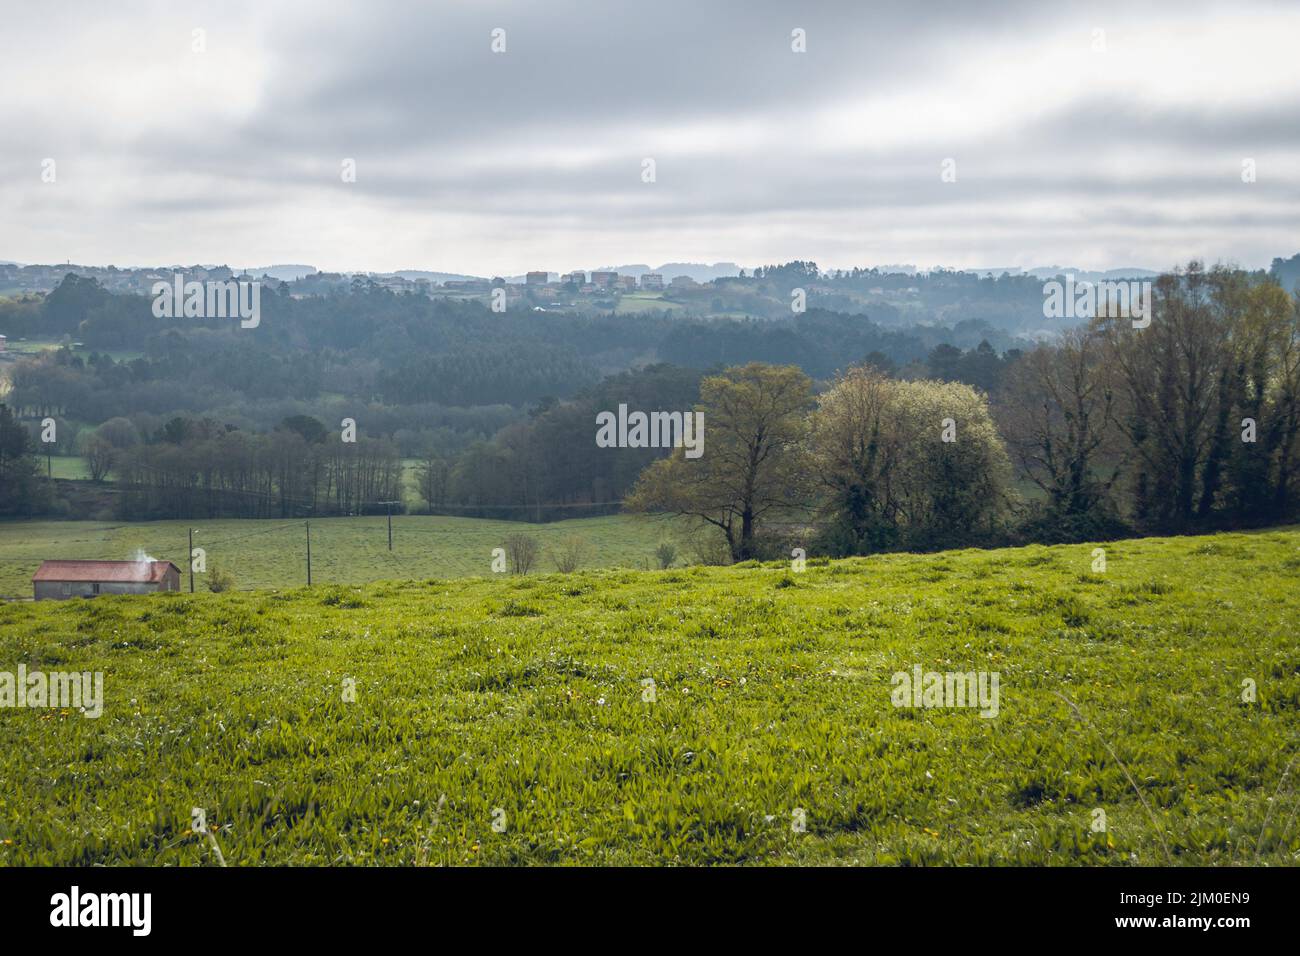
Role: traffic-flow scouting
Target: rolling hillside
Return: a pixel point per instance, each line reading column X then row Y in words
column 510, row 720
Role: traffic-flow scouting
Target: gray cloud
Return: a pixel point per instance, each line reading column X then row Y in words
column 481, row 162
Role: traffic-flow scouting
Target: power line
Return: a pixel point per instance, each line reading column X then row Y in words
column 251, row 534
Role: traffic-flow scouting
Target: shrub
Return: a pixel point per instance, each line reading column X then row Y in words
column 219, row 580
column 570, row 553
column 708, row 545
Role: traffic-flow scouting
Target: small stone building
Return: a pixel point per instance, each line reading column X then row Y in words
column 57, row 580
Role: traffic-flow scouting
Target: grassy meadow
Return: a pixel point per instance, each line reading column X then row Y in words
column 273, row 554
column 645, row 302
column 71, row 467
column 36, row 345
column 508, row 720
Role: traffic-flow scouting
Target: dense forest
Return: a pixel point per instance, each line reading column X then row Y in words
column 429, row 374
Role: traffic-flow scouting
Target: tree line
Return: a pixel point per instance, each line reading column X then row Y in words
column 549, row 466
column 1191, row 422
column 202, row 470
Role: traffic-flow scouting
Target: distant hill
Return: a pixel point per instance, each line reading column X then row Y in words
column 414, row 274
column 1090, row 275
column 1084, row 275
column 285, row 273
column 699, row 271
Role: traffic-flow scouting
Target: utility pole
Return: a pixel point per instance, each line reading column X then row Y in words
column 308, row 523
column 191, row 560
column 389, row 506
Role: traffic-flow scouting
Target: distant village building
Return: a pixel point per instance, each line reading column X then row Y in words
column 535, row 278
column 577, row 278
column 603, row 280
column 394, row 283
column 627, row 282
column 652, row 280
column 59, row 580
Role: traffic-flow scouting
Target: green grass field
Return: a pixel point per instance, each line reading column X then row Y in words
column 34, row 346
column 645, row 302
column 67, row 466
column 411, row 484
column 272, row 553
column 770, row 736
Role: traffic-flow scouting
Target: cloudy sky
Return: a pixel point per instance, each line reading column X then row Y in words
column 1092, row 135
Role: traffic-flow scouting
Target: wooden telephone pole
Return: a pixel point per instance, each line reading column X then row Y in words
column 389, row 505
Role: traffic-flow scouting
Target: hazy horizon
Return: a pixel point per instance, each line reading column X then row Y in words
column 632, row 268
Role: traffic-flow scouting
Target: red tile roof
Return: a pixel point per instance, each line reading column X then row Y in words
column 122, row 572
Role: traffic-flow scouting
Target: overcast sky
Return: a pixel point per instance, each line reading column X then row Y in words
column 480, row 162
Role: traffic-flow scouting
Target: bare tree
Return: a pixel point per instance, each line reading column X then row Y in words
column 99, row 454
column 1056, row 412
column 569, row 554
column 521, row 552
column 433, row 475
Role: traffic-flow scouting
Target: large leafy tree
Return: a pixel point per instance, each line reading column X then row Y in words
column 855, row 456
column 754, row 424
column 1169, row 375
column 916, row 461
column 1221, row 351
